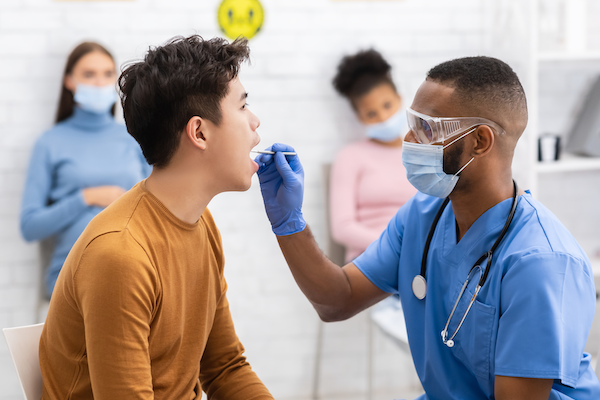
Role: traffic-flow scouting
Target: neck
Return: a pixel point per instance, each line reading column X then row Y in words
column 89, row 120
column 474, row 197
column 181, row 191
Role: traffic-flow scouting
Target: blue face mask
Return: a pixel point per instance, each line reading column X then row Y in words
column 424, row 165
column 390, row 129
column 95, row 99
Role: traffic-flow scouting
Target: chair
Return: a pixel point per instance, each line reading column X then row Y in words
column 23, row 344
column 596, row 362
column 336, row 253
column 387, row 315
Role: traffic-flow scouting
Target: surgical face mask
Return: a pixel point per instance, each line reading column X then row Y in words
column 95, row 99
column 390, row 129
column 424, row 165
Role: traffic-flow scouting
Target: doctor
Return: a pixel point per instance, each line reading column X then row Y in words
column 497, row 294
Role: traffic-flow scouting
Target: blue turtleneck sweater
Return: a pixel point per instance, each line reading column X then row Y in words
column 85, row 150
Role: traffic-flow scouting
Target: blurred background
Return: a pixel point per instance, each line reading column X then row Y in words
column 553, row 45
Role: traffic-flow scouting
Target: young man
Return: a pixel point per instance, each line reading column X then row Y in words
column 493, row 271
column 140, row 308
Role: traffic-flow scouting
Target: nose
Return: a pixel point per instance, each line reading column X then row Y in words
column 104, row 78
column 254, row 122
column 101, row 81
column 386, row 114
column 411, row 137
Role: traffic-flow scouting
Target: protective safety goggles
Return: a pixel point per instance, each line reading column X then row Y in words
column 429, row 130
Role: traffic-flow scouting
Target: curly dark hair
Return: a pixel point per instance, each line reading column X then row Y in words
column 185, row 77
column 485, row 84
column 359, row 73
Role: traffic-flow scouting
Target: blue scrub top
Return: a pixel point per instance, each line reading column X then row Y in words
column 531, row 318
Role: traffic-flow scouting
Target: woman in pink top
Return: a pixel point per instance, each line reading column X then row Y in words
column 368, row 180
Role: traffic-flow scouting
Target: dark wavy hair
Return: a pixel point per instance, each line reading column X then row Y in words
column 359, row 73
column 183, row 78
column 66, row 104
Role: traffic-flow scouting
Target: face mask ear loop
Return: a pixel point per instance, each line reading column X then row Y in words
column 460, row 137
column 461, row 170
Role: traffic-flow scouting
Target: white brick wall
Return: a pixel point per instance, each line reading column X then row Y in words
column 293, row 62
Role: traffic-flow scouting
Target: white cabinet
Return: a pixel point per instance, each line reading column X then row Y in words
column 565, row 61
column 556, row 53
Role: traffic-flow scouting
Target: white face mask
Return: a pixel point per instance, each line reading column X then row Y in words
column 424, row 165
column 390, row 129
column 95, row 99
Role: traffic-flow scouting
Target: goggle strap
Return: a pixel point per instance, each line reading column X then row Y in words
column 460, row 137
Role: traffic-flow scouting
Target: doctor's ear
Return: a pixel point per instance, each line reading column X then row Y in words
column 484, row 140
column 194, row 130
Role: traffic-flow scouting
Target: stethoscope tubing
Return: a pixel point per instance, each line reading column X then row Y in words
column 489, row 254
column 422, row 287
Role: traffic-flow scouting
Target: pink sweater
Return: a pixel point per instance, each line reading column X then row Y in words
column 368, row 186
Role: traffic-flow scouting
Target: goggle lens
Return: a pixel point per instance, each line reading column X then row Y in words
column 420, row 128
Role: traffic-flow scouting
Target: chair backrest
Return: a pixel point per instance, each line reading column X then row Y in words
column 596, row 364
column 334, row 251
column 23, row 344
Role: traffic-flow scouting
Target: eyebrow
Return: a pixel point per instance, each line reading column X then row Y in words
column 244, row 96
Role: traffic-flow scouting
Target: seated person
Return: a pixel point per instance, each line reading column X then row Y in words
column 498, row 296
column 368, row 180
column 140, row 310
column 83, row 163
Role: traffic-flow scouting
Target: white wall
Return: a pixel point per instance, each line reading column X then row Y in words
column 293, row 61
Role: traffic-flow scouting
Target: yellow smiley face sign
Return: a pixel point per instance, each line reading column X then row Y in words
column 240, row 18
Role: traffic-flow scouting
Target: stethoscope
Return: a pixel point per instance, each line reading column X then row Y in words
column 419, row 284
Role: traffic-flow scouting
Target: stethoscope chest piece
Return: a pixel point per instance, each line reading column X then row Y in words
column 419, row 287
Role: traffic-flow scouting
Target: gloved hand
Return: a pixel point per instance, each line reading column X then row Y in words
column 282, row 186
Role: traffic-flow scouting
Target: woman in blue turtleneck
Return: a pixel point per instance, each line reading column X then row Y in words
column 84, row 163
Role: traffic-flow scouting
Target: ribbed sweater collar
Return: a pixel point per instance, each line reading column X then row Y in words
column 90, row 121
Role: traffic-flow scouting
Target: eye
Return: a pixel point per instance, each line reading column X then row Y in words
column 427, row 129
column 371, row 114
column 387, row 105
column 246, row 105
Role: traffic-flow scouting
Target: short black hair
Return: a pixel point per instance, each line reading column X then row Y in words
column 183, row 78
column 484, row 83
column 357, row 74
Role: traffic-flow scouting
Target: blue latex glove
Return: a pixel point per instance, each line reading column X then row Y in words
column 282, row 186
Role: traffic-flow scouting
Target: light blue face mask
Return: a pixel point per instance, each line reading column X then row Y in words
column 424, row 165
column 390, row 129
column 95, row 99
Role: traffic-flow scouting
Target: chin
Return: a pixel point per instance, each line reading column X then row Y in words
column 242, row 186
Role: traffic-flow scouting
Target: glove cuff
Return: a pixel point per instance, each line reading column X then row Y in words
column 291, row 226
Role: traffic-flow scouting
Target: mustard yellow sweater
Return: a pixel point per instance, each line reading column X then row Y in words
column 139, row 312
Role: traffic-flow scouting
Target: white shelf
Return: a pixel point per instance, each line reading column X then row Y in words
column 568, row 56
column 568, row 163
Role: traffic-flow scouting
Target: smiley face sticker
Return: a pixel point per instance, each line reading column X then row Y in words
column 240, row 18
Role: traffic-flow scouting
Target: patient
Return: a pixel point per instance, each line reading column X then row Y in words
column 139, row 310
